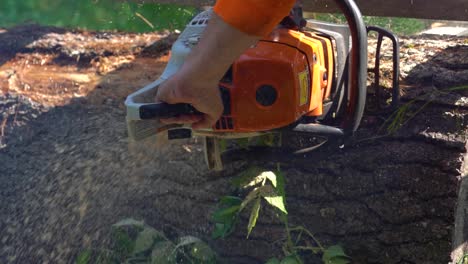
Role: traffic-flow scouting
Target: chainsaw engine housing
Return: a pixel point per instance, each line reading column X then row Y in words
column 284, row 77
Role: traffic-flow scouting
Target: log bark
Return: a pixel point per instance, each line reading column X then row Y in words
column 66, row 172
column 448, row 10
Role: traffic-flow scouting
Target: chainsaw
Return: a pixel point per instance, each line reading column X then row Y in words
column 317, row 86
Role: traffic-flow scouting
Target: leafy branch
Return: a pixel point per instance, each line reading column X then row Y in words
column 136, row 243
column 269, row 187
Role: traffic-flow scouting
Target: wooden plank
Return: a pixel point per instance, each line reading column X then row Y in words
column 428, row 9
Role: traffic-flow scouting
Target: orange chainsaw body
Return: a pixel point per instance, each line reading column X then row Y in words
column 284, row 77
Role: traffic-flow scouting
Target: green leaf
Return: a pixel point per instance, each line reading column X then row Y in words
column 222, row 144
column 129, row 222
column 228, row 201
column 225, row 214
column 334, row 251
column 253, row 216
column 218, row 231
column 137, row 260
column 198, row 249
column 163, row 253
column 278, row 202
column 263, row 191
column 84, row 257
column 457, row 88
column 202, row 252
column 270, row 195
column 122, row 243
column 271, row 176
column 335, row 255
column 463, row 260
column 273, row 261
column 187, row 240
column 280, row 183
column 247, row 176
column 252, row 195
column 339, row 260
column 222, row 230
column 225, row 218
column 269, row 140
column 146, row 239
column 259, row 180
column 290, row 260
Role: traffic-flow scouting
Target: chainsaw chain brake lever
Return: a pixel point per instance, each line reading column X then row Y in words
column 165, row 110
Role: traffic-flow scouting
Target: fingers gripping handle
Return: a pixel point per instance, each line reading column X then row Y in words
column 140, row 105
column 165, row 110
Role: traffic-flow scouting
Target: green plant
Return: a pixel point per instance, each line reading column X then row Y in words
column 403, row 114
column 136, row 243
column 463, row 259
column 84, row 257
column 269, row 186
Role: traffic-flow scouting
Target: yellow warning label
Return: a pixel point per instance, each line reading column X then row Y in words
column 304, row 87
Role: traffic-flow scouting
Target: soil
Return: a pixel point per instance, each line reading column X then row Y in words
column 68, row 172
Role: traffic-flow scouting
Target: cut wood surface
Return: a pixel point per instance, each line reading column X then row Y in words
column 428, row 9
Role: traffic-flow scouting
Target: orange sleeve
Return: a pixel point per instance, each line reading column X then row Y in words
column 254, row 17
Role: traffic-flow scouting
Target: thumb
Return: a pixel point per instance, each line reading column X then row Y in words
column 211, row 116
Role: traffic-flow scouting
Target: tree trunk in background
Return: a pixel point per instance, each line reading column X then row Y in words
column 67, row 172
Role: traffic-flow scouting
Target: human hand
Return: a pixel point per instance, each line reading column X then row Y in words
column 202, row 94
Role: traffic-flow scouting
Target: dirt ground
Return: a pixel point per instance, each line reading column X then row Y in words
column 67, row 171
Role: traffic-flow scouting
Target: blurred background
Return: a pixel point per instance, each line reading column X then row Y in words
column 95, row 14
column 137, row 17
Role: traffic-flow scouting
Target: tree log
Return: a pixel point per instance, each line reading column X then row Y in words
column 67, row 172
column 448, row 10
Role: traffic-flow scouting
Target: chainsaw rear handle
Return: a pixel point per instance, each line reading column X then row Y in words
column 358, row 66
column 140, row 105
column 165, row 110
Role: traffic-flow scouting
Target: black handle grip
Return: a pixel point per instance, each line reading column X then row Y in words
column 165, row 110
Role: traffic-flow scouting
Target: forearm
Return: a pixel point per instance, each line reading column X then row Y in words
column 219, row 46
column 235, row 25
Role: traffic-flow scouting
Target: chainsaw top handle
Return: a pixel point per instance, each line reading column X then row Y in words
column 358, row 66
